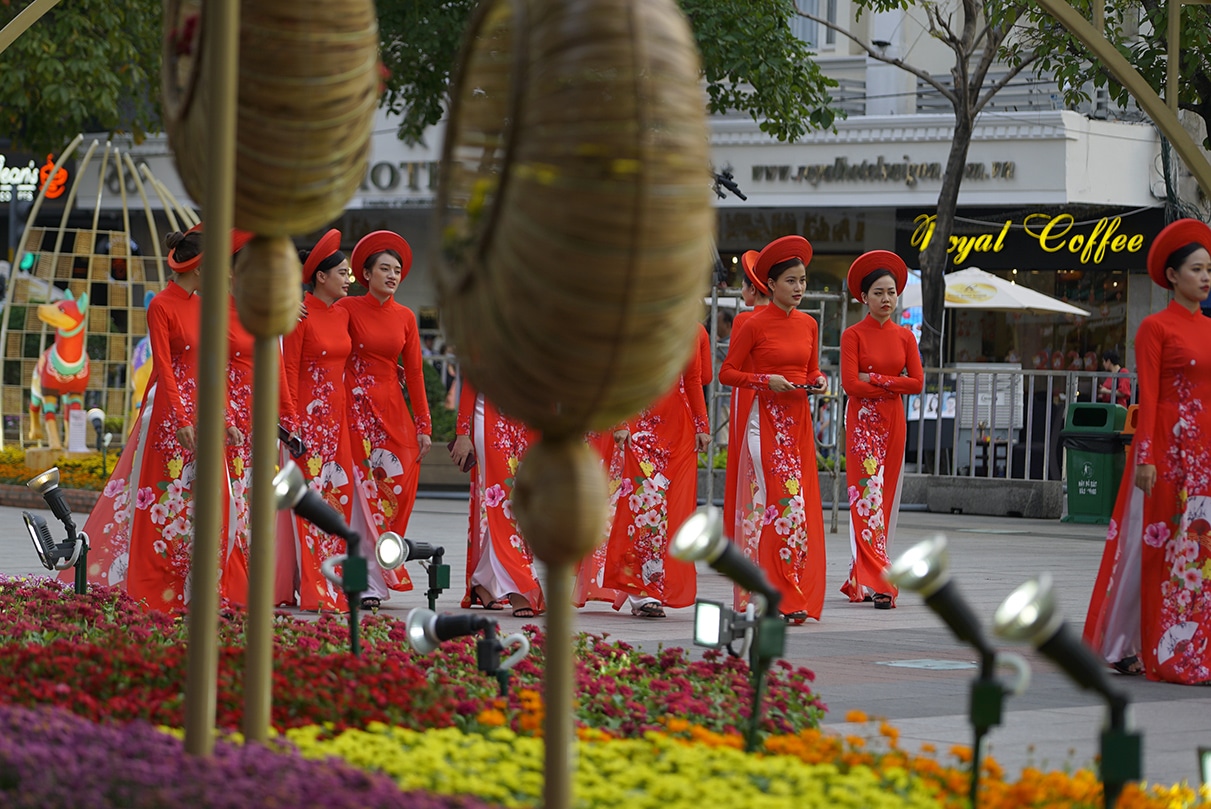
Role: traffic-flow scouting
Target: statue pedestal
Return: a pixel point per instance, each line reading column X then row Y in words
column 39, row 459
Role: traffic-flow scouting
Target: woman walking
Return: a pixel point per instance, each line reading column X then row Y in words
column 880, row 363
column 1152, row 599
column 388, row 440
column 500, row 565
column 777, row 519
column 314, row 355
column 161, row 537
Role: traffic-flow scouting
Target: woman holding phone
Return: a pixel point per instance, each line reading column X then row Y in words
column 880, row 363
column 777, row 519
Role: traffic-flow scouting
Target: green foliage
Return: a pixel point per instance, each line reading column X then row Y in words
column 1138, row 30
column 87, row 65
column 751, row 61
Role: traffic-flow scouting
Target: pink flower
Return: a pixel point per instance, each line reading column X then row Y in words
column 1156, row 535
column 114, row 486
column 1193, row 578
column 494, row 496
column 144, row 498
column 159, row 514
column 771, row 514
column 626, row 487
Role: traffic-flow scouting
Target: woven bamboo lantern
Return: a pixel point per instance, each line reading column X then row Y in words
column 308, row 88
column 575, row 227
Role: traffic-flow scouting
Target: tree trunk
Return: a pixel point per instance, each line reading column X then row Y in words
column 935, row 259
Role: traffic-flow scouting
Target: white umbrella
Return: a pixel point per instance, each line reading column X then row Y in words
column 975, row 289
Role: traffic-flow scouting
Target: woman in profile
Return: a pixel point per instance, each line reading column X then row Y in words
column 1150, row 611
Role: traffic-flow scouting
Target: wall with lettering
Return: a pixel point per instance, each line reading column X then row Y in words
column 1050, row 238
column 1041, row 158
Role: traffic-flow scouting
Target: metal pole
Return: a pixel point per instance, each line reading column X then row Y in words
column 222, row 22
column 21, row 23
column 557, row 683
column 258, row 632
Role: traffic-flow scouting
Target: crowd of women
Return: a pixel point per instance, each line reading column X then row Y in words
column 354, row 392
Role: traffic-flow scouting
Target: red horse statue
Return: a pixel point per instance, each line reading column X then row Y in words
column 61, row 374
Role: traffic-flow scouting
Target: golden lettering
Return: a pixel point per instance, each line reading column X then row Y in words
column 1136, row 243
column 1119, row 242
column 996, row 248
column 923, row 227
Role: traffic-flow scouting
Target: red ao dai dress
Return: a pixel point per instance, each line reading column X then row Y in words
column 874, row 443
column 381, row 429
column 315, row 355
column 653, row 486
column 777, row 518
column 737, row 426
column 161, row 535
column 498, row 558
column 1163, row 541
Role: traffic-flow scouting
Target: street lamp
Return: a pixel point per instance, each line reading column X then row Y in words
column 426, row 630
column 57, row 556
column 701, row 538
column 1030, row 615
column 292, row 492
column 925, row 569
column 393, row 550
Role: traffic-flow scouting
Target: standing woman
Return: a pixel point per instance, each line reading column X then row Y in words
column 879, row 364
column 1152, row 599
column 314, row 355
column 388, row 440
column 500, row 565
column 161, row 535
column 777, row 518
column 755, row 294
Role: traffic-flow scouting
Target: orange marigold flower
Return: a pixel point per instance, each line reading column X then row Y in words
column 855, row 741
column 677, row 725
column 855, row 716
column 491, row 717
column 962, row 752
column 927, row 747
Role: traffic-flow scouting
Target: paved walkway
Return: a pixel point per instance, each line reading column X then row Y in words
column 851, row 650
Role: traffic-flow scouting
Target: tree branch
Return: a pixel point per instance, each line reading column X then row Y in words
column 1000, row 83
column 887, row 60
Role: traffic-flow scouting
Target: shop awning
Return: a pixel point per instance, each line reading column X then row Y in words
column 975, row 289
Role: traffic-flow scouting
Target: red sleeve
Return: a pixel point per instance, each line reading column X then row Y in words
column 706, row 370
column 292, row 366
column 414, row 374
column 738, row 350
column 914, row 381
column 813, row 362
column 159, row 329
column 1124, row 390
column 851, row 365
column 692, row 382
column 286, row 412
column 1149, row 342
column 466, row 408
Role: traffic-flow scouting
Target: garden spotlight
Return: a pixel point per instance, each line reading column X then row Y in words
column 292, row 492
column 71, row 553
column 393, row 550
column 701, row 538
column 925, row 569
column 426, row 630
column 96, row 417
column 1030, row 615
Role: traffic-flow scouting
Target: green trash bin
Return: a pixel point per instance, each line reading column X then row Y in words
column 1093, row 439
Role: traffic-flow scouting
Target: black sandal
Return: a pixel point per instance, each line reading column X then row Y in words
column 796, row 618
column 882, row 601
column 371, row 603
column 1130, row 666
column 649, row 609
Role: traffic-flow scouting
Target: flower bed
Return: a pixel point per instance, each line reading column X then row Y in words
column 74, row 473
column 103, row 658
column 654, row 730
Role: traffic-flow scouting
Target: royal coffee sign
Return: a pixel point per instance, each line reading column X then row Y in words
column 1037, row 240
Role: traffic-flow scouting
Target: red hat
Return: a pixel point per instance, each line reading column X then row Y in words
column 328, row 244
column 748, row 261
column 239, row 238
column 374, row 243
column 778, row 251
column 868, row 262
column 1175, row 236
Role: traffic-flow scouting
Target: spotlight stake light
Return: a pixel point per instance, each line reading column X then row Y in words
column 924, row 569
column 701, row 538
column 393, row 550
column 57, row 556
column 292, row 492
column 96, row 417
column 426, row 630
column 1030, row 615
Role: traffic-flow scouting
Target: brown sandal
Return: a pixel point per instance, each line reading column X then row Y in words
column 649, row 609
